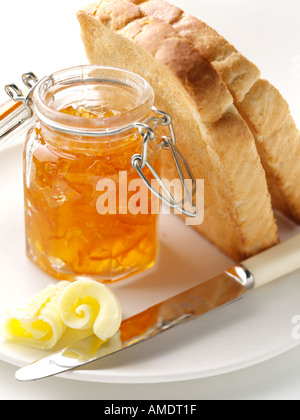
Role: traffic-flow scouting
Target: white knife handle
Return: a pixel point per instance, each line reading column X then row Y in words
column 274, row 263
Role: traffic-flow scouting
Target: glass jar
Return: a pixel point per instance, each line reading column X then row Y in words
column 92, row 171
column 78, row 176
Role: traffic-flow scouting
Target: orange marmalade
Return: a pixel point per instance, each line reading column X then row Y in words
column 69, row 235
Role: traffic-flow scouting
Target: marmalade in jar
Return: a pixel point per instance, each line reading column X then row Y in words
column 68, row 235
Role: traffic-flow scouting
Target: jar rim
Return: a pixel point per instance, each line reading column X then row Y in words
column 92, row 126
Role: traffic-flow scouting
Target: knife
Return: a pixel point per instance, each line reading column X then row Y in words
column 226, row 288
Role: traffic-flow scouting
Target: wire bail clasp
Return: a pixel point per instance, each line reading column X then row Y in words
column 30, row 81
column 24, row 112
column 140, row 162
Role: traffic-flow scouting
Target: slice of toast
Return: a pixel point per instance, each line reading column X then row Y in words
column 216, row 141
column 261, row 105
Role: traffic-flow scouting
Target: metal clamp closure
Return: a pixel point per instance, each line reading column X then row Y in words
column 23, row 113
column 139, row 162
column 30, row 80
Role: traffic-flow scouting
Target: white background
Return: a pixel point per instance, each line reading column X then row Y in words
column 44, row 37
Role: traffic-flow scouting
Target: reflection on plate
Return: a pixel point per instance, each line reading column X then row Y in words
column 250, row 331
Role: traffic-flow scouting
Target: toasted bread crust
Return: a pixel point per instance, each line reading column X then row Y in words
column 238, row 213
column 194, row 70
column 238, row 72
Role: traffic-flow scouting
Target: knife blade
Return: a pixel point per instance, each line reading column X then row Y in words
column 226, row 288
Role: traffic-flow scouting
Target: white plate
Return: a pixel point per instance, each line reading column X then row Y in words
column 250, row 331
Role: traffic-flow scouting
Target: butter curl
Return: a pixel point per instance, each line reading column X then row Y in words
column 87, row 304
column 37, row 323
